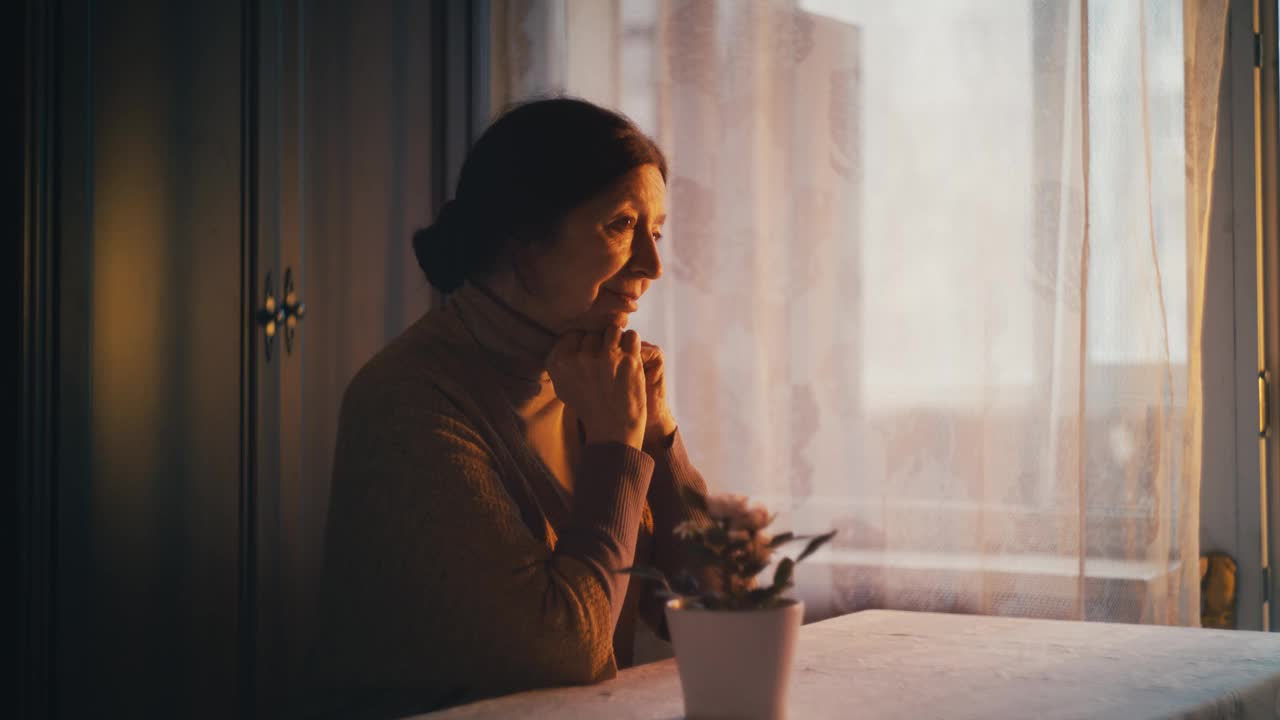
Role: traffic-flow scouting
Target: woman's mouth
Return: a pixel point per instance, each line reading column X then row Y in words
column 629, row 302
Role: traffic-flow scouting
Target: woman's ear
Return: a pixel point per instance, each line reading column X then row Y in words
column 519, row 256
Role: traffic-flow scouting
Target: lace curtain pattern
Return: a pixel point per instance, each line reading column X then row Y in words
column 934, row 277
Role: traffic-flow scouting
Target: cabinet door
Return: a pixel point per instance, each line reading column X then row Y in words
column 345, row 176
column 148, row 476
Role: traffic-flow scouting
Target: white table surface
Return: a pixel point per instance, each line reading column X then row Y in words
column 888, row 664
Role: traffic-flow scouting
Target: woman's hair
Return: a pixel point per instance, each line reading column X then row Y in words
column 522, row 177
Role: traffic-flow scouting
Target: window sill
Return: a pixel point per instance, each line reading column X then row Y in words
column 839, row 581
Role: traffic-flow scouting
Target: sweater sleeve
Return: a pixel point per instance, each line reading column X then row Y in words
column 439, row 583
column 672, row 472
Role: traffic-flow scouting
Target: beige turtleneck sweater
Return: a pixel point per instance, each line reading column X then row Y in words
column 472, row 537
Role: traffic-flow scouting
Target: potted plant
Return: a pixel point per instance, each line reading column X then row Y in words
column 734, row 641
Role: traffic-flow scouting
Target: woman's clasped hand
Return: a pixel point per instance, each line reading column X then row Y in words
column 601, row 377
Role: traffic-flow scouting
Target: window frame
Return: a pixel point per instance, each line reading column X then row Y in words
column 1237, row 478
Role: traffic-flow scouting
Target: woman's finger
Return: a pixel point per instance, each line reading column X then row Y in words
column 651, row 354
column 630, row 342
column 566, row 345
column 612, row 337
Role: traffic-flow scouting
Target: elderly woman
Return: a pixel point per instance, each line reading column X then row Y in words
column 500, row 460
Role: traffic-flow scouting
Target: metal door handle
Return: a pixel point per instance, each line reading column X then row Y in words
column 294, row 310
column 270, row 316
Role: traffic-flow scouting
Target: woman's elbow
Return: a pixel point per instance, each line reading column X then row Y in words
column 578, row 653
column 559, row 658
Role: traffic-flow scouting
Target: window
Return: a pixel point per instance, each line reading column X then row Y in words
column 930, row 273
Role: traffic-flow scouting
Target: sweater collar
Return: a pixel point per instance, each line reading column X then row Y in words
column 517, row 344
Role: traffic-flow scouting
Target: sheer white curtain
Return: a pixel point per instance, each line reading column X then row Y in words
column 934, row 277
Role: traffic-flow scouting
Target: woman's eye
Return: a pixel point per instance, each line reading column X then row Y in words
column 623, row 223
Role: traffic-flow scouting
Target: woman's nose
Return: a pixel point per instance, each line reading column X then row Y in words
column 645, row 260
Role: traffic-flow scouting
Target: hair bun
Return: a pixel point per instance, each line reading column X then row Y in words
column 438, row 248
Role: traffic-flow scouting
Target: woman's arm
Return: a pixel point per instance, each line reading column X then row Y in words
column 441, row 581
column 672, row 472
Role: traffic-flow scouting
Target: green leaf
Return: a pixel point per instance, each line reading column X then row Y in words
column 764, row 597
column 782, row 576
column 648, row 573
column 666, row 594
column 685, row 583
column 713, row 601
column 814, row 544
column 702, row 555
column 717, row 536
column 694, row 499
column 784, row 538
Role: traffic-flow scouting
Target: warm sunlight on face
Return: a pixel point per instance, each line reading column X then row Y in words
column 604, row 255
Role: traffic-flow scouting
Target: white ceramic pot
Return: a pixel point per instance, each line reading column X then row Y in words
column 735, row 663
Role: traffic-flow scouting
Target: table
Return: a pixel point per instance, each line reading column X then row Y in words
column 889, row 664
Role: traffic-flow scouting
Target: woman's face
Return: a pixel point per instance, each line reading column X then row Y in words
column 603, row 257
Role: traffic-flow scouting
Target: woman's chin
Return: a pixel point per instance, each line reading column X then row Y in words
column 601, row 320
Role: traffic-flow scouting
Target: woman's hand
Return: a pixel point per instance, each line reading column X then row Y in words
column 601, row 376
column 661, row 423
